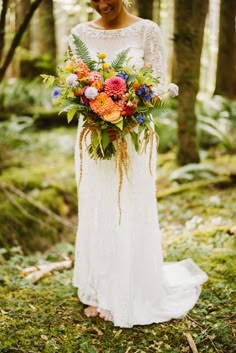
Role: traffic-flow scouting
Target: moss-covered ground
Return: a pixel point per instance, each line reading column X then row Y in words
column 48, row 317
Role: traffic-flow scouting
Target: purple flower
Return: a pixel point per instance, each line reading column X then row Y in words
column 142, row 90
column 123, row 75
column 56, row 92
column 148, row 97
column 140, row 119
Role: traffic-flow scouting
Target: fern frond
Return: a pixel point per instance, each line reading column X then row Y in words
column 160, row 108
column 118, row 62
column 82, row 52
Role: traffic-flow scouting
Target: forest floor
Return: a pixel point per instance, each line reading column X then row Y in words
column 196, row 222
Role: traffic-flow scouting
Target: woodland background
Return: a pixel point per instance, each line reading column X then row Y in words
column 196, row 177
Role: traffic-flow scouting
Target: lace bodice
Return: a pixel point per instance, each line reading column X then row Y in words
column 143, row 39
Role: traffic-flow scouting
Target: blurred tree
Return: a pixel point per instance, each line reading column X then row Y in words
column 188, row 39
column 2, row 26
column 6, row 60
column 145, row 8
column 22, row 7
column 226, row 69
column 47, row 37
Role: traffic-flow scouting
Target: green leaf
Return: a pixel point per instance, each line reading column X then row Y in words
column 120, row 124
column 82, row 52
column 71, row 114
column 118, row 62
column 48, row 80
column 105, row 139
column 69, row 107
column 95, row 139
column 135, row 140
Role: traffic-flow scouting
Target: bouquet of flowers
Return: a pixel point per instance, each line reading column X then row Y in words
column 114, row 100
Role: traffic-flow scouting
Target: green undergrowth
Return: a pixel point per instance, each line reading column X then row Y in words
column 37, row 171
column 48, row 317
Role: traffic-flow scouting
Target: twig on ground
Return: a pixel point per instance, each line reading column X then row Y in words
column 191, row 342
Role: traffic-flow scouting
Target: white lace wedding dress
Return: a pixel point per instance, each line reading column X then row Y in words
column 119, row 267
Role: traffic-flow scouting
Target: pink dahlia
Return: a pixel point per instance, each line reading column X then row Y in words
column 115, row 86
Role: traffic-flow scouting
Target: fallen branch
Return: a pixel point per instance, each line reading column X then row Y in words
column 191, row 342
column 47, row 211
column 35, row 273
column 193, row 185
column 14, row 202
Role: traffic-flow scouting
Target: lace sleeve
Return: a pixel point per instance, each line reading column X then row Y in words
column 154, row 53
column 70, row 41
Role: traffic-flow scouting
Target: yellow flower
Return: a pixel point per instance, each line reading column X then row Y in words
column 136, row 84
column 70, row 95
column 68, row 68
column 97, row 84
column 106, row 66
column 102, row 55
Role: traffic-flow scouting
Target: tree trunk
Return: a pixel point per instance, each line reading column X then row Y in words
column 22, row 6
column 47, row 37
column 188, row 39
column 17, row 38
column 2, row 26
column 145, row 9
column 226, row 72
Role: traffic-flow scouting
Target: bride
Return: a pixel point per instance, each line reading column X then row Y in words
column 119, row 269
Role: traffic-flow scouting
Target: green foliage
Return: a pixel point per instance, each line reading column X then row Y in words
column 82, row 52
column 47, row 178
column 17, row 96
column 217, row 122
column 192, row 172
column 119, row 61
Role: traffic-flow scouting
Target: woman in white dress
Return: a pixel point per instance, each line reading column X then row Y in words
column 119, row 268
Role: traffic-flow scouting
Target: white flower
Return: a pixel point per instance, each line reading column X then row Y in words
column 91, row 92
column 173, row 90
column 72, row 80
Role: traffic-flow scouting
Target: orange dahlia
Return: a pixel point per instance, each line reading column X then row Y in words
column 97, row 84
column 113, row 116
column 102, row 104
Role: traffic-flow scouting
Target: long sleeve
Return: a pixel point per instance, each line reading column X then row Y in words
column 154, row 53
